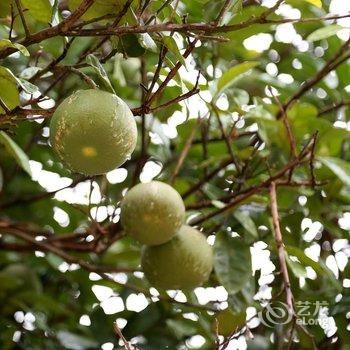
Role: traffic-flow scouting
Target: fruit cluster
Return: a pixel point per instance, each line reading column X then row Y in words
column 174, row 256
column 93, row 132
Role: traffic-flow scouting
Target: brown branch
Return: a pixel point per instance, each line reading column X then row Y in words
column 82, row 75
column 42, row 245
column 144, row 134
column 334, row 107
column 147, row 110
column 227, row 198
column 115, row 23
column 39, row 196
column 121, row 336
column 330, row 65
column 24, row 23
column 43, row 113
column 162, row 53
column 280, row 247
column 283, row 111
column 312, row 160
column 172, row 27
column 227, row 139
column 172, row 73
column 54, row 62
column 308, row 334
column 252, row 190
column 223, row 11
column 223, row 164
column 83, row 7
column 184, row 152
column 193, row 27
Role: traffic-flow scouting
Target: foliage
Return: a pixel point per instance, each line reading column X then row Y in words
column 234, row 101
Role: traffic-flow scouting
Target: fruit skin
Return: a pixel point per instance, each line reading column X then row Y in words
column 93, row 132
column 185, row 262
column 152, row 212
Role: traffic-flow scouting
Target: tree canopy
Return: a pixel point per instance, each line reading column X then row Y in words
column 242, row 106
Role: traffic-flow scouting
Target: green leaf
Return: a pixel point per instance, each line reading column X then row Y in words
column 8, row 89
column 171, row 45
column 75, row 342
column 232, row 262
column 182, row 327
column 147, row 42
column 28, row 87
column 24, row 84
column 297, row 269
column 130, row 46
column 324, row 32
column 55, row 18
column 317, row 3
column 320, row 268
column 141, row 322
column 93, row 61
column 15, row 151
column 7, row 43
column 339, row 167
column 29, row 72
column 41, row 10
column 236, row 6
column 229, row 77
column 244, row 219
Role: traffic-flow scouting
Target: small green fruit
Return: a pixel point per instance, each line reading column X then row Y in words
column 185, row 262
column 152, row 212
column 93, row 132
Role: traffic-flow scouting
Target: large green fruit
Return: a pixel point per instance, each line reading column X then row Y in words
column 99, row 8
column 93, row 132
column 152, row 212
column 185, row 262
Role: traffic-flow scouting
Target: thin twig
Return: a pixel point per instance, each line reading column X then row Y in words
column 280, row 247
column 4, row 106
column 60, row 29
column 184, row 152
column 226, row 138
column 24, row 22
column 331, row 64
column 312, row 161
column 118, row 331
column 283, row 111
column 252, row 190
column 333, row 107
column 223, row 11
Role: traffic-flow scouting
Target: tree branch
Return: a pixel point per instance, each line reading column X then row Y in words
column 280, row 247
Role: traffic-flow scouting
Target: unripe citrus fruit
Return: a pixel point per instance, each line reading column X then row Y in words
column 152, row 212
column 185, row 262
column 93, row 132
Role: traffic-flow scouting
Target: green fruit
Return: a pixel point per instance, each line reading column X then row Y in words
column 185, row 262
column 99, row 8
column 152, row 212
column 93, row 132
